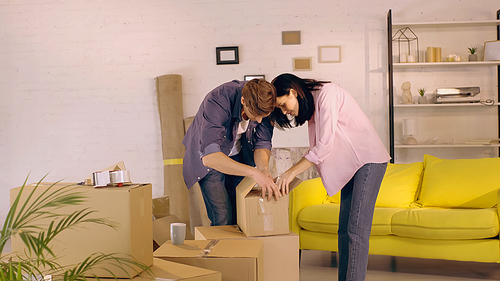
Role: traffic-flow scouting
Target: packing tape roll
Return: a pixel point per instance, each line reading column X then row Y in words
column 120, row 176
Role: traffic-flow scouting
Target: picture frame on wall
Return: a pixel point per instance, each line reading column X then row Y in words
column 290, row 38
column 329, row 54
column 302, row 64
column 492, row 50
column 227, row 55
column 251, row 77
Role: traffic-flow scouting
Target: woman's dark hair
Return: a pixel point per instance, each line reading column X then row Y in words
column 283, row 84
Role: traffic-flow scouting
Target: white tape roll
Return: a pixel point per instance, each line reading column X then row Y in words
column 120, row 176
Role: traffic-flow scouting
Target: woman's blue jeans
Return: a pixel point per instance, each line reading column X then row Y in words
column 219, row 194
column 357, row 204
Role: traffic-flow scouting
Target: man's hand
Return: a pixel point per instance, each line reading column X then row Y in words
column 265, row 181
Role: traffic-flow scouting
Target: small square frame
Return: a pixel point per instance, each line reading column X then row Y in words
column 290, row 38
column 302, row 64
column 227, row 55
column 257, row 76
column 329, row 54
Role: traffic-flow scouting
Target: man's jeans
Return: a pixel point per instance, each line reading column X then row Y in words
column 219, row 194
column 357, row 205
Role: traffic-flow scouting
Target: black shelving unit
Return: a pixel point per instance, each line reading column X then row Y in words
column 390, row 67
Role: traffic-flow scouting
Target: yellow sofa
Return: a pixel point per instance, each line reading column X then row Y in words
column 435, row 209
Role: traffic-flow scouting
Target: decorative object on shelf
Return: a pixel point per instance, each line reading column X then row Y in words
column 406, row 97
column 410, row 129
column 406, row 37
column 433, row 54
column 329, row 54
column 472, row 55
column 251, row 77
column 302, row 64
column 422, row 99
column 492, row 50
column 290, row 38
column 453, row 58
column 227, row 55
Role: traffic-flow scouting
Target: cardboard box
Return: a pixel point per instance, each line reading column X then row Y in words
column 281, row 252
column 161, row 207
column 172, row 271
column 237, row 260
column 260, row 217
column 128, row 206
column 161, row 230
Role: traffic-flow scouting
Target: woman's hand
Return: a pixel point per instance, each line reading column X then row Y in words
column 283, row 182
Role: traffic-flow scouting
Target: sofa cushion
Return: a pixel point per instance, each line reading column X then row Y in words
column 462, row 183
column 398, row 188
column 440, row 223
column 325, row 218
column 400, row 184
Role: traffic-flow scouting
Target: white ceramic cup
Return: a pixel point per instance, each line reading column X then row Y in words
column 177, row 233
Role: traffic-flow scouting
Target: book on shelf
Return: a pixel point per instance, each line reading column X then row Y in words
column 483, row 141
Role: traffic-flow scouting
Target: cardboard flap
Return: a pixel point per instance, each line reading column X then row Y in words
column 216, row 248
column 167, row 270
column 190, row 248
column 245, row 248
column 294, row 184
column 245, row 186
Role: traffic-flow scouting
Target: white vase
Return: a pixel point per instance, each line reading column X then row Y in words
column 422, row 100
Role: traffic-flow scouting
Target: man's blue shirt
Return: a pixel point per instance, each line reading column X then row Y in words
column 214, row 129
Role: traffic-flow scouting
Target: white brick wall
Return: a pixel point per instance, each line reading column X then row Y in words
column 76, row 77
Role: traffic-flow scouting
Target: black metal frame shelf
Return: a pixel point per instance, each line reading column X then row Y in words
column 392, row 66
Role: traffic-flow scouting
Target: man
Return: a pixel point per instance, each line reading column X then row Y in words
column 229, row 139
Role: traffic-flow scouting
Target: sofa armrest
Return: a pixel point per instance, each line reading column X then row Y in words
column 309, row 192
column 498, row 204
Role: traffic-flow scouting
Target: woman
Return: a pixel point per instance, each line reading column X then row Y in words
column 348, row 155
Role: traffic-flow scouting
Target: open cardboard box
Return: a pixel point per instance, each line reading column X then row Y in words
column 260, row 217
column 281, row 252
column 237, row 260
column 161, row 230
column 128, row 206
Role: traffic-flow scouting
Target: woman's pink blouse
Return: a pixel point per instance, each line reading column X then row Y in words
column 341, row 138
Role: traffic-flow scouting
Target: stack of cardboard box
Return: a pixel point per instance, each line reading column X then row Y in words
column 130, row 208
column 261, row 247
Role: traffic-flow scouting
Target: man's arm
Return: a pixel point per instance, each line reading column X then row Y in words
column 224, row 164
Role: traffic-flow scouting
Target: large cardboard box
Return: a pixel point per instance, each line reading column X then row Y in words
column 172, row 271
column 281, row 252
column 128, row 206
column 261, row 217
column 163, row 270
column 237, row 260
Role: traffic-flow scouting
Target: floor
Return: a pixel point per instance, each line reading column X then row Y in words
column 317, row 266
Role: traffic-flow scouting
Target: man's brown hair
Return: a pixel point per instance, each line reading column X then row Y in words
column 260, row 97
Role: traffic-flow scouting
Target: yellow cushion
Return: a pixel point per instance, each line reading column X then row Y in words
column 440, row 223
column 400, row 183
column 461, row 183
column 398, row 188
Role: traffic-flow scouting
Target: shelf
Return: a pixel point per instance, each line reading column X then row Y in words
column 448, row 24
column 444, row 145
column 445, row 105
column 445, row 64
